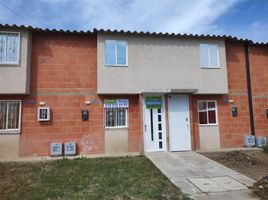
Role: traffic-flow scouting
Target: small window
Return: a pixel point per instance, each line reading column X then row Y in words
column 115, row 117
column 9, row 48
column 207, row 112
column 116, row 53
column 10, row 112
column 209, row 56
column 43, row 114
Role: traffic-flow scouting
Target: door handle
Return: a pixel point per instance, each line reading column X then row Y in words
column 145, row 127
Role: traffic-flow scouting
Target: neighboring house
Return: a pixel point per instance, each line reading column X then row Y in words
column 142, row 91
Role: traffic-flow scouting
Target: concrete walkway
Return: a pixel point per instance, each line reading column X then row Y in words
column 201, row 177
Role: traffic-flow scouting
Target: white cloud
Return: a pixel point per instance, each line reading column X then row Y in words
column 155, row 15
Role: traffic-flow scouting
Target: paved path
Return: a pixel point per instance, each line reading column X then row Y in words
column 201, row 177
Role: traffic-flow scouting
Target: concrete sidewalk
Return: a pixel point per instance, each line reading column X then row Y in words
column 201, row 177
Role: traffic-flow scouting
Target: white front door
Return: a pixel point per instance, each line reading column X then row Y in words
column 154, row 125
column 179, row 123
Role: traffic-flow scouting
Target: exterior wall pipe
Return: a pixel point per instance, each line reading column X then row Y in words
column 250, row 106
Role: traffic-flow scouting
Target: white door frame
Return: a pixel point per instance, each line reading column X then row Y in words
column 187, row 123
column 164, row 136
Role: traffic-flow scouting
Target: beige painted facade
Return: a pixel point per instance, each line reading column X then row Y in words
column 116, row 140
column 209, row 137
column 9, row 147
column 161, row 64
column 15, row 78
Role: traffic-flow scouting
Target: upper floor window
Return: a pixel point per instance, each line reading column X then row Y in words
column 207, row 112
column 116, row 52
column 209, row 56
column 10, row 113
column 9, row 48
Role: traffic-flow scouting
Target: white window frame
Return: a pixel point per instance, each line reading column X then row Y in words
column 17, row 130
column 18, row 61
column 115, row 127
column 117, row 65
column 218, row 56
column 208, row 109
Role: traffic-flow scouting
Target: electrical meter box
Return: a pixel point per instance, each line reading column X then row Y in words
column 56, row 149
column 249, row 140
column 260, row 141
column 69, row 148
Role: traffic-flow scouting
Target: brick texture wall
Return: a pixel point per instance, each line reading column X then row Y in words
column 259, row 86
column 63, row 75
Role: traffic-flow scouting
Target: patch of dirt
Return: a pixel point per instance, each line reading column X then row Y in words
column 252, row 163
column 260, row 188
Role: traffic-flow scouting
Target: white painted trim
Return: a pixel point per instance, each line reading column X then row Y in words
column 218, row 56
column 116, row 65
column 13, row 131
column 216, row 110
column 19, row 46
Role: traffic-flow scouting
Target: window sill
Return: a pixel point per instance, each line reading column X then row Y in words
column 10, row 64
column 210, row 67
column 9, row 132
column 116, row 65
column 114, row 128
column 204, row 125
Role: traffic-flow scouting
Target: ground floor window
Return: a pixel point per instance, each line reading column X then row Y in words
column 116, row 117
column 10, row 113
column 115, row 113
column 207, row 110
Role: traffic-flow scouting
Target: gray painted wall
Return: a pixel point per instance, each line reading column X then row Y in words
column 156, row 63
column 209, row 137
column 15, row 79
column 116, row 140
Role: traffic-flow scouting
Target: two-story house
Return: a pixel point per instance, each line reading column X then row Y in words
column 121, row 92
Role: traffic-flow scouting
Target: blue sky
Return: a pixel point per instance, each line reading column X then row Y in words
column 241, row 18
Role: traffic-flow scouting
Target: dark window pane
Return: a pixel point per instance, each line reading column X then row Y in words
column 159, row 118
column 202, row 117
column 160, row 145
column 160, row 127
column 211, row 105
column 3, row 116
column 159, row 110
column 212, row 117
column 160, row 136
column 110, row 117
column 202, row 105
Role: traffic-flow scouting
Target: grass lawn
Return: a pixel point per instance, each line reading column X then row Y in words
column 82, row 178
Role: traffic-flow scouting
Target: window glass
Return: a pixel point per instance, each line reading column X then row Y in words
column 213, row 55
column 13, row 115
column 207, row 112
column 115, row 117
column 110, row 52
column 203, row 118
column 202, row 105
column 211, row 104
column 9, row 47
column 116, row 53
column 209, row 55
column 212, row 116
column 204, row 61
column 3, row 115
column 9, row 115
column 121, row 53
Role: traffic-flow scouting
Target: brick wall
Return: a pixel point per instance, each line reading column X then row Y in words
column 259, row 86
column 63, row 75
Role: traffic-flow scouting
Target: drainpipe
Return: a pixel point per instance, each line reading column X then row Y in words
column 250, row 106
